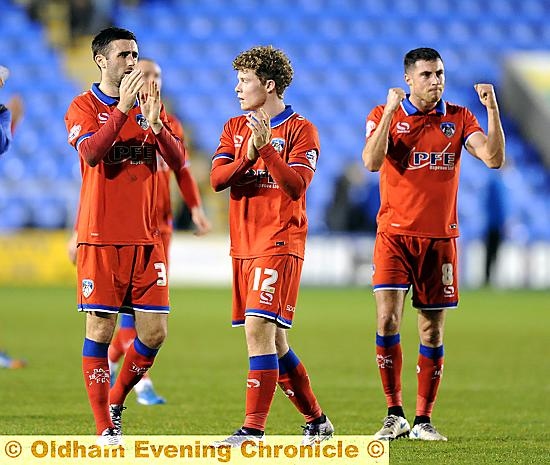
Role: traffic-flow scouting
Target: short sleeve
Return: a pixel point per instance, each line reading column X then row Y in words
column 226, row 147
column 373, row 120
column 305, row 148
column 81, row 121
column 471, row 125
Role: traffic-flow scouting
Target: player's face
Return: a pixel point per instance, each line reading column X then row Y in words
column 426, row 80
column 252, row 94
column 151, row 72
column 121, row 59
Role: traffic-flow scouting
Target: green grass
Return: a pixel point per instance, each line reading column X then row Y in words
column 493, row 404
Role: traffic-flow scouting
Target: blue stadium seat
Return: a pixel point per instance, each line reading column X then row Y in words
column 346, row 55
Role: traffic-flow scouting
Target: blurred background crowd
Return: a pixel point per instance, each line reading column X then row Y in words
column 346, row 54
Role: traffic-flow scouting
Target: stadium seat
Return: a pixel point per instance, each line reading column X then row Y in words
column 346, row 55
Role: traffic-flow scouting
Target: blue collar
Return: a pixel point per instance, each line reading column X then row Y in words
column 282, row 117
column 410, row 109
column 104, row 98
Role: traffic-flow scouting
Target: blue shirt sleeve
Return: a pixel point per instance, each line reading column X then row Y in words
column 5, row 129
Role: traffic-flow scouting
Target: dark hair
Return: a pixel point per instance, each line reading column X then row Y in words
column 420, row 54
column 101, row 42
column 269, row 64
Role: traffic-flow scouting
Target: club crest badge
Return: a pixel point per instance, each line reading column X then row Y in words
column 278, row 144
column 74, row 132
column 142, row 121
column 311, row 156
column 87, row 287
column 448, row 129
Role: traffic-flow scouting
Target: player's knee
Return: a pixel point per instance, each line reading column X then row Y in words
column 432, row 337
column 388, row 323
column 281, row 346
column 154, row 337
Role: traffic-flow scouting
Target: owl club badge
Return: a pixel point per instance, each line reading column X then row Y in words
column 278, row 144
column 142, row 121
column 87, row 287
column 448, row 129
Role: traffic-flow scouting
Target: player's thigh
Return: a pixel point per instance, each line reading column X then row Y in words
column 103, row 276
column 149, row 292
column 391, row 267
column 435, row 278
column 100, row 326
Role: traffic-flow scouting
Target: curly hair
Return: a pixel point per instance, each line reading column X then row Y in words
column 269, row 64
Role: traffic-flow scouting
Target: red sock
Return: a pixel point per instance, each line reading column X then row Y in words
column 260, row 390
column 429, row 371
column 390, row 360
column 138, row 359
column 294, row 381
column 95, row 369
column 122, row 340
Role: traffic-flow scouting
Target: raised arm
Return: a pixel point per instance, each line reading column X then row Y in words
column 170, row 147
column 488, row 148
column 226, row 170
column 376, row 146
column 95, row 148
column 293, row 180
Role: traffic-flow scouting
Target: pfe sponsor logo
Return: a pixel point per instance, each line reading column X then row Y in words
column 433, row 160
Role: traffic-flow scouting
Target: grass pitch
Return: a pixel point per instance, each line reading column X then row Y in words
column 493, row 403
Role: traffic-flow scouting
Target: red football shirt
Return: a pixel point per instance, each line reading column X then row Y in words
column 263, row 220
column 186, row 182
column 419, row 176
column 118, row 196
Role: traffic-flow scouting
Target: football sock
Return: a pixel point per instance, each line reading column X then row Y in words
column 294, row 382
column 390, row 360
column 95, row 368
column 253, row 431
column 429, row 371
column 319, row 420
column 123, row 338
column 397, row 411
column 260, row 389
column 138, row 359
column 421, row 419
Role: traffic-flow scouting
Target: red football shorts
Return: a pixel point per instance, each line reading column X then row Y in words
column 429, row 265
column 266, row 287
column 113, row 278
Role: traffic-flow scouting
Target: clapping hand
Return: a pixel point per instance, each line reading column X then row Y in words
column 129, row 87
column 259, row 122
column 150, row 106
